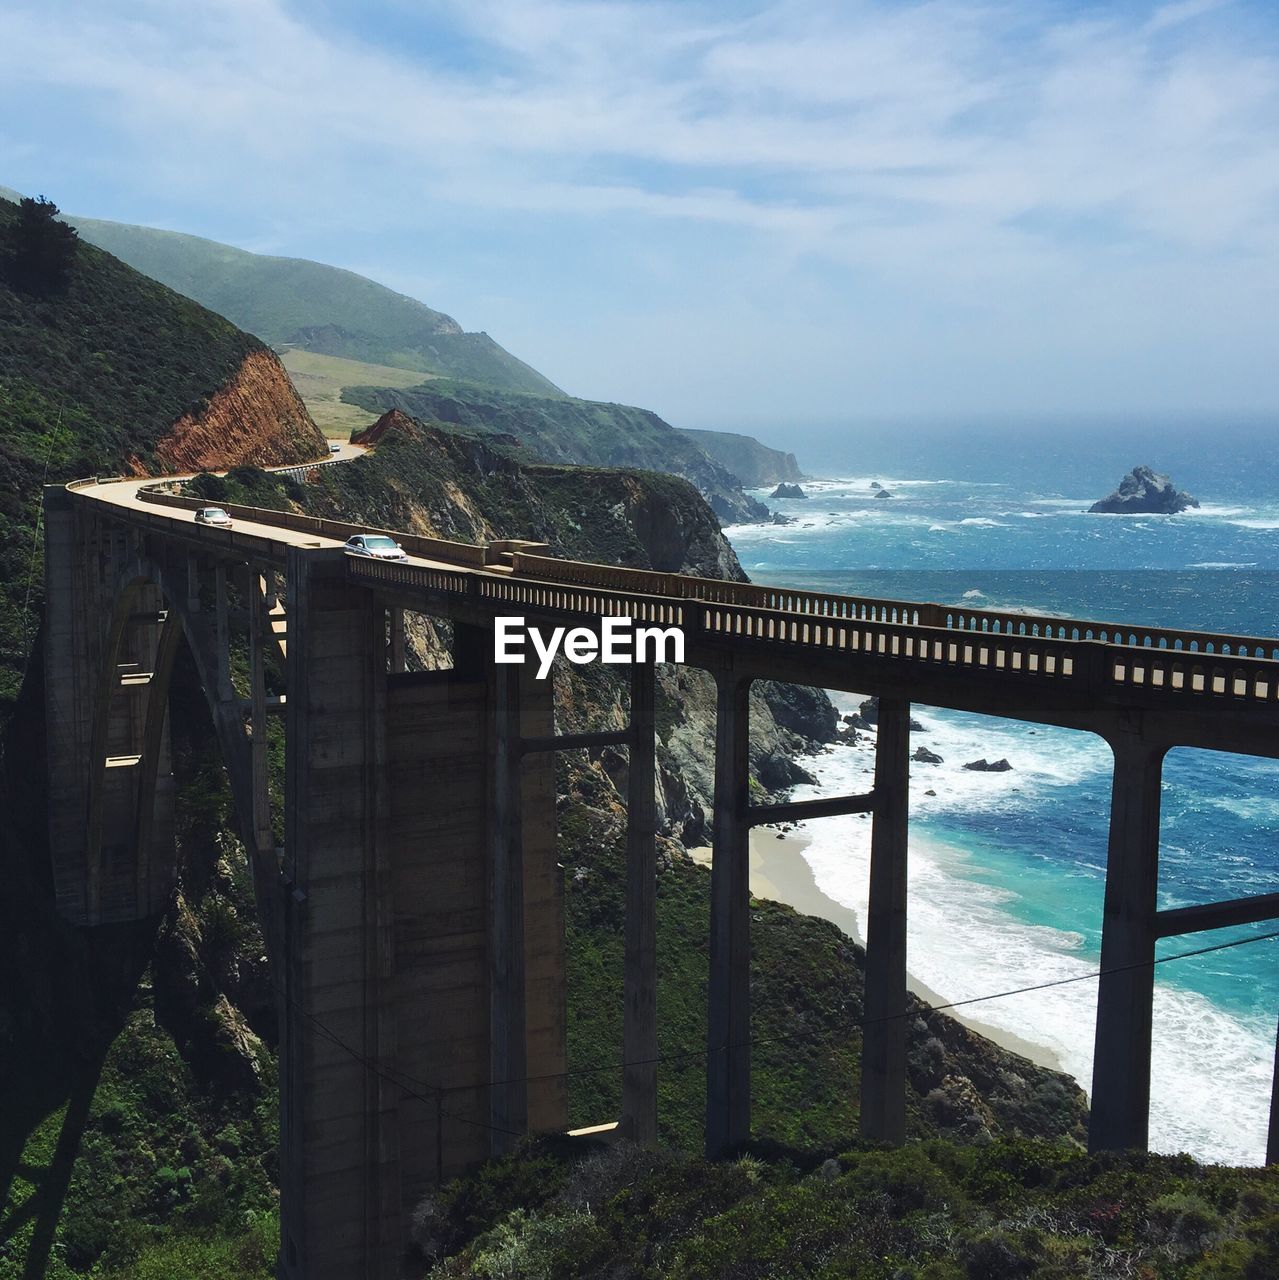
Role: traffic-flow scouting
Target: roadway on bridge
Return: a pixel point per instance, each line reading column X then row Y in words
column 127, row 493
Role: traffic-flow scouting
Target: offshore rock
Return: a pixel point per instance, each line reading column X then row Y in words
column 992, row 766
column 1144, row 491
column 788, row 491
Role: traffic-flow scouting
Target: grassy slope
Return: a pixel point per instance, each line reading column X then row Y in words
column 321, row 379
column 318, row 307
column 88, row 379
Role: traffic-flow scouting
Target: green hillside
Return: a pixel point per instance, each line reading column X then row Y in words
column 91, row 374
column 567, row 430
column 290, row 302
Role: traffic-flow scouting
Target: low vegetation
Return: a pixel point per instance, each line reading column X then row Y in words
column 1012, row 1209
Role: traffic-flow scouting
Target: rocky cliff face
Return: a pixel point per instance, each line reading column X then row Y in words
column 256, row 418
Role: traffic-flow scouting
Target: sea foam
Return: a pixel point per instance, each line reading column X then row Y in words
column 967, row 940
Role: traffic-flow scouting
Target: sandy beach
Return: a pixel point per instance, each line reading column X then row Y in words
column 780, row 872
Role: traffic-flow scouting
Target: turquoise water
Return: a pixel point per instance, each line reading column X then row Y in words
column 1008, row 869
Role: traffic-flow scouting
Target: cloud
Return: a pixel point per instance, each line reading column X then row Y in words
column 935, row 148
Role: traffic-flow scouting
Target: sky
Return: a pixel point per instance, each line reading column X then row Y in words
column 775, row 216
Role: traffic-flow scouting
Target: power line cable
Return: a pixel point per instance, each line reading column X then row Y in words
column 691, row 1054
column 860, row 1024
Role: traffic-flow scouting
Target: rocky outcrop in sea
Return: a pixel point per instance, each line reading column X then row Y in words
column 1144, row 491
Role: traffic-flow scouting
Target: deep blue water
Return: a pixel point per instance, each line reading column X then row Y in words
column 1023, row 853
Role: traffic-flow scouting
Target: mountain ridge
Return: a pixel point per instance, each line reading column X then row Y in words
column 297, row 302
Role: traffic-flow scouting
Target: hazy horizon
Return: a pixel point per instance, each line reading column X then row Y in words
column 766, row 217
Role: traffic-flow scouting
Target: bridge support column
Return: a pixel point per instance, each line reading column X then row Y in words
column 728, row 1055
column 1272, row 1137
column 639, row 1025
column 72, row 660
column 259, row 755
column 1120, row 1114
column 508, row 1046
column 397, row 640
column 339, row 1136
column 528, row 1012
column 883, row 1088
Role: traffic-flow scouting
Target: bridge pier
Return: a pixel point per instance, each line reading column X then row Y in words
column 339, row 1140
column 397, row 642
column 425, row 1016
column 1120, row 1115
column 728, row 1053
column 1272, row 1135
column 508, row 1045
column 639, row 1018
column 883, row 1084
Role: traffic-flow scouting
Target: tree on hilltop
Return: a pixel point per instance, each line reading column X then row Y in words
column 38, row 249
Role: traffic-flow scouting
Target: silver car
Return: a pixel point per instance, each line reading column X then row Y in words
column 213, row 515
column 377, row 545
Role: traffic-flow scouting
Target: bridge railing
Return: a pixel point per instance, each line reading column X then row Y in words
column 997, row 622
column 1088, row 666
column 1091, row 656
column 949, row 617
column 722, row 591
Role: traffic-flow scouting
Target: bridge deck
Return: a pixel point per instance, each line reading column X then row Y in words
column 1208, row 689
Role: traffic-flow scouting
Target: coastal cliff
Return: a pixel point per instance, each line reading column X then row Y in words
column 562, row 429
column 753, row 463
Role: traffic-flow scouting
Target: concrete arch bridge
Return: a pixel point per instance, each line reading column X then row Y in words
column 414, row 911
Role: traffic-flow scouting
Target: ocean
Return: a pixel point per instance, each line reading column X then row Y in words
column 1007, row 869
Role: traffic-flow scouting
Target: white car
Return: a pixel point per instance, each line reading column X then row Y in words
column 335, row 448
column 214, row 516
column 377, row 545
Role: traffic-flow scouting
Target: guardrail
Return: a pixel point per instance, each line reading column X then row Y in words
column 299, row 470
